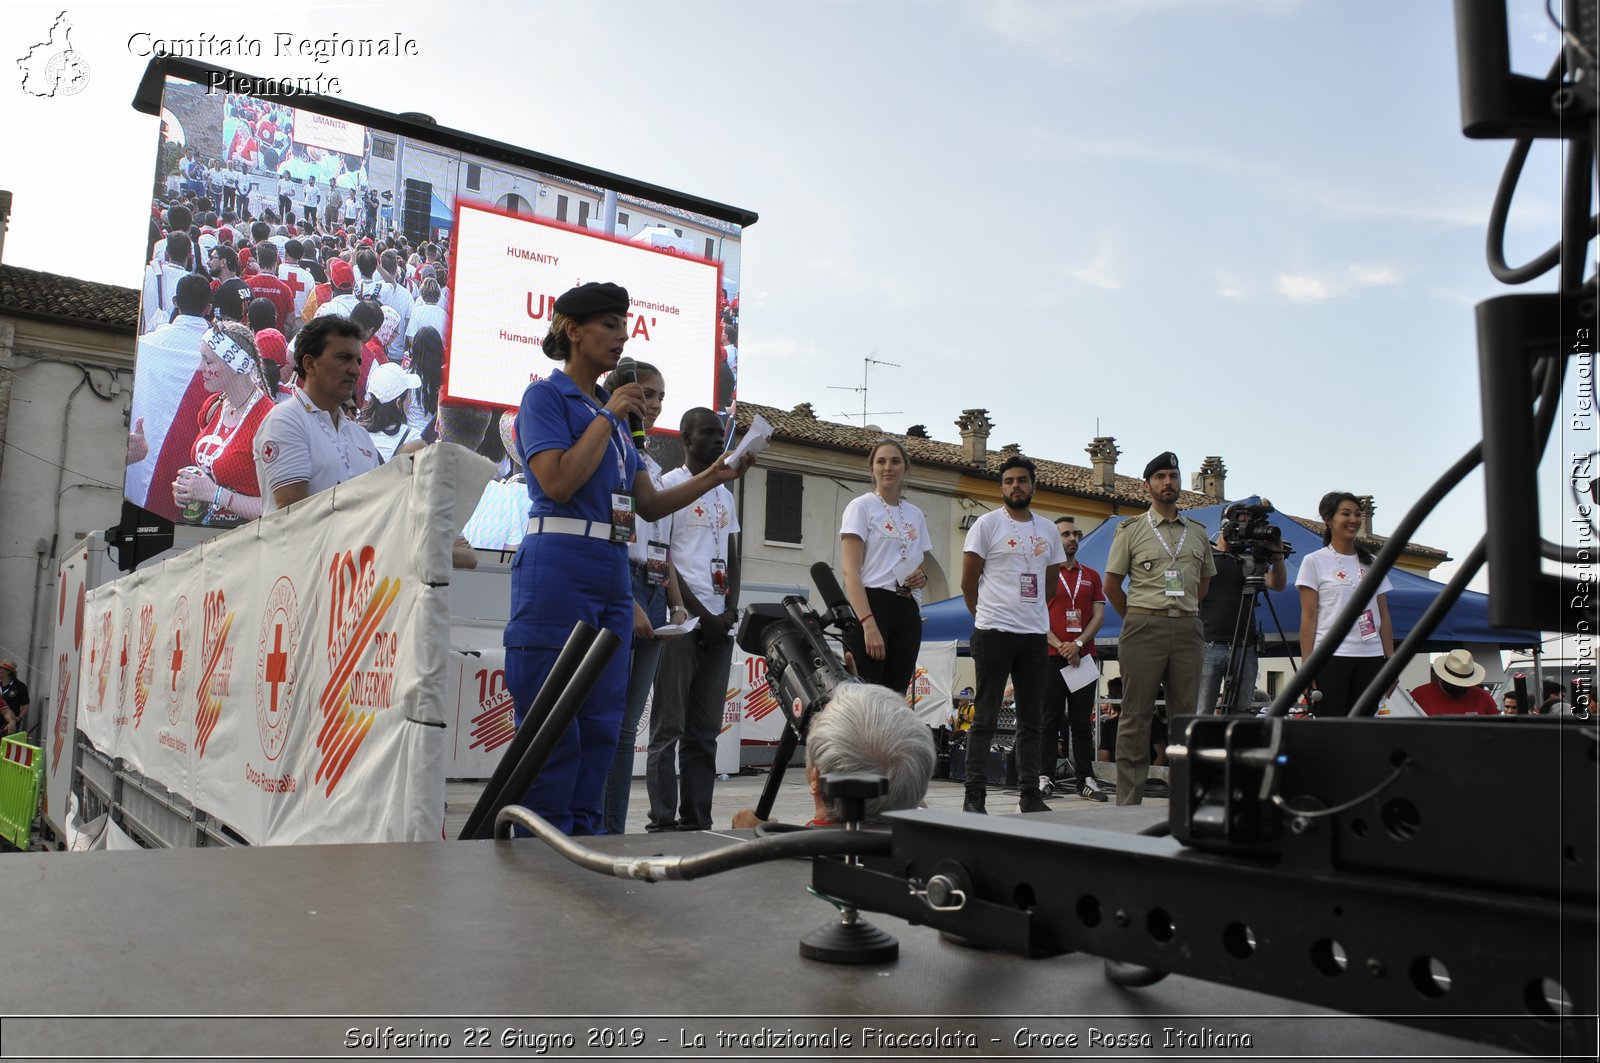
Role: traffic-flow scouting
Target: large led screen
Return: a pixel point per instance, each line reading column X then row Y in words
column 271, row 207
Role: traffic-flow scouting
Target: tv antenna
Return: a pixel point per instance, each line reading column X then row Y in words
column 867, row 363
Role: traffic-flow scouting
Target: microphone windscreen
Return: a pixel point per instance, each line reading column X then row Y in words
column 828, row 586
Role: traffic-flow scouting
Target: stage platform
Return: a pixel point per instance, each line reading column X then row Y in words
column 314, row 951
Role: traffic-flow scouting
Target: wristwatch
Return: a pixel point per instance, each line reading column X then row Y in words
column 1077, row 645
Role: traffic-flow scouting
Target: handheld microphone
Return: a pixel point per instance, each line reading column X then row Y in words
column 630, row 368
column 833, row 597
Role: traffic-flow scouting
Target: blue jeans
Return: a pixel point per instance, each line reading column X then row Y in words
column 1213, row 667
column 641, row 675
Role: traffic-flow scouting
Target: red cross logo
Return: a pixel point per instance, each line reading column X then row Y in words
column 1012, row 543
column 292, row 279
column 277, row 665
column 123, row 663
column 177, row 662
column 699, row 510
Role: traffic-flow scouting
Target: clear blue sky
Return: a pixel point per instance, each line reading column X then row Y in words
column 1240, row 227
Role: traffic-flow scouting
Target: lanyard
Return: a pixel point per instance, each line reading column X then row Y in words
column 1072, row 592
column 894, row 520
column 1162, row 539
column 622, row 460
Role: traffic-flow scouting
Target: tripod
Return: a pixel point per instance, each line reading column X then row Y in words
column 1254, row 573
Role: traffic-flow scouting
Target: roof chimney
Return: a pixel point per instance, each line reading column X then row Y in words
column 1103, row 453
column 5, row 220
column 1209, row 480
column 1367, row 506
column 975, row 428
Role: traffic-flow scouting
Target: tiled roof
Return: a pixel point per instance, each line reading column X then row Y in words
column 37, row 294
column 802, row 426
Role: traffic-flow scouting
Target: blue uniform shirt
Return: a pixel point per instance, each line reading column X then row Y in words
column 553, row 416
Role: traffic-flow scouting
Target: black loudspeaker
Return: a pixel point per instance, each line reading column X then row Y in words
column 416, row 212
column 139, row 536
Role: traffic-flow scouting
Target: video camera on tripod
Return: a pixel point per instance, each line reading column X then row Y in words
column 1256, row 545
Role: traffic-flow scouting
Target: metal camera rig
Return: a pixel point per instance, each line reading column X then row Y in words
column 802, row 669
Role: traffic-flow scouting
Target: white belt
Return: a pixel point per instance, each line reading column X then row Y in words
column 569, row 526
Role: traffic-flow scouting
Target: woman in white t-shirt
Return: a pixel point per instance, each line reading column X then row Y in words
column 882, row 538
column 1327, row 580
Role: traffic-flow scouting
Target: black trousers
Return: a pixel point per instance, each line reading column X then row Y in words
column 1342, row 680
column 1068, row 711
column 899, row 621
column 997, row 655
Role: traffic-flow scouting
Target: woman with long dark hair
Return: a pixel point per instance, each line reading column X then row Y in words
column 1328, row 579
column 585, row 483
column 427, row 362
column 882, row 539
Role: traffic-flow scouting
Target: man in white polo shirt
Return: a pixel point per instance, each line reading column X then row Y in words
column 307, row 444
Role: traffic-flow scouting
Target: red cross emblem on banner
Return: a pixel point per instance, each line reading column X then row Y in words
column 177, row 662
column 277, row 664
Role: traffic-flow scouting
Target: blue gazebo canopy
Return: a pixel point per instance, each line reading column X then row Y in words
column 1467, row 622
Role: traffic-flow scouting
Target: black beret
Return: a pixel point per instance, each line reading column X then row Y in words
column 1165, row 460
column 596, row 297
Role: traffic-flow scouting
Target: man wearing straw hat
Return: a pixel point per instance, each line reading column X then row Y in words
column 1454, row 689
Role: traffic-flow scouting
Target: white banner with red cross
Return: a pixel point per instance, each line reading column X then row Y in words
column 291, row 676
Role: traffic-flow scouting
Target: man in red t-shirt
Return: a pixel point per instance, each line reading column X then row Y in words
column 1454, row 689
column 1076, row 612
column 266, row 285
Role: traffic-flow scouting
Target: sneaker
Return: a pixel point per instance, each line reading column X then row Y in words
column 1032, row 802
column 1090, row 793
column 974, row 803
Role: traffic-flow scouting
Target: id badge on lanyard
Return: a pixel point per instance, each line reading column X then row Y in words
column 1367, row 627
column 622, row 517
column 655, row 562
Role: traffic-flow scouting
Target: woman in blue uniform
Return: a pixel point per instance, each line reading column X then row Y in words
column 586, row 483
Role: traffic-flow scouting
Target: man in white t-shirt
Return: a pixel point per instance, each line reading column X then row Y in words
column 161, row 279
column 307, row 444
column 285, row 191
column 1009, row 572
column 168, row 358
column 692, row 679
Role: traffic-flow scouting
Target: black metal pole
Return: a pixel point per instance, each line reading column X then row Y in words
column 578, row 643
column 562, row 713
